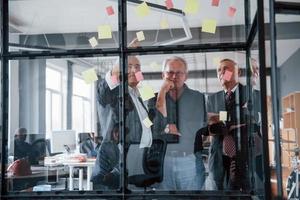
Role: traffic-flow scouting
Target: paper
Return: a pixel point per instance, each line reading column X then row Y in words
column 169, row 4
column 89, row 76
column 216, row 61
column 231, row 11
column 146, row 92
column 155, row 66
column 164, row 24
column 140, row 36
column 142, row 10
column 104, row 32
column 93, row 41
column 114, row 79
column 223, row 115
column 139, row 76
column 147, row 122
column 110, row 10
column 227, row 75
column 215, row 3
column 209, row 26
column 191, row 6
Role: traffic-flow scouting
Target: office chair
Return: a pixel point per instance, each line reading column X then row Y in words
column 153, row 165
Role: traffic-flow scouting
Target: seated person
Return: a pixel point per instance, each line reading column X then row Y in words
column 22, row 149
column 90, row 146
column 106, row 173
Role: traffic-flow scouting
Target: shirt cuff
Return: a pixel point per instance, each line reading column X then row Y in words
column 109, row 82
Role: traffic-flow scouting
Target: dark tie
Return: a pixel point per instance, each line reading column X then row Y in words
column 228, row 140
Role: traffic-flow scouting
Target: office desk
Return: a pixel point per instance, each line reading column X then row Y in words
column 89, row 164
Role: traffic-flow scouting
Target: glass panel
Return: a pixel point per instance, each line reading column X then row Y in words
column 154, row 24
column 288, row 52
column 62, row 25
column 49, row 115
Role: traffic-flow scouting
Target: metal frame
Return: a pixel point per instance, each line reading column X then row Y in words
column 123, row 52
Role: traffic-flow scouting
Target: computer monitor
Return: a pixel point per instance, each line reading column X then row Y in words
column 63, row 139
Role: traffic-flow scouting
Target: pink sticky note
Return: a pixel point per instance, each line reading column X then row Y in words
column 231, row 11
column 139, row 76
column 169, row 4
column 227, row 76
column 114, row 79
column 110, row 10
column 215, row 3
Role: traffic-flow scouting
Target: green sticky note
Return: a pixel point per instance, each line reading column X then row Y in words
column 89, row 76
column 147, row 122
column 142, row 10
column 104, row 32
column 216, row 61
column 209, row 26
column 146, row 92
column 191, row 6
column 223, row 115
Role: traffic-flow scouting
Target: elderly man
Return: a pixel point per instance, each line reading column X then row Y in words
column 139, row 135
column 181, row 112
column 229, row 147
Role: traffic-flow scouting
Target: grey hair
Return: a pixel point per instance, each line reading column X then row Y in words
column 164, row 65
column 21, row 131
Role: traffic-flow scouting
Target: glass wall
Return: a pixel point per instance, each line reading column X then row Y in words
column 176, row 113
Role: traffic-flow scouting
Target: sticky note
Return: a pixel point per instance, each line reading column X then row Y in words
column 191, row 6
column 146, row 92
column 231, row 11
column 89, row 76
column 147, row 122
column 154, row 66
column 227, row 75
column 164, row 24
column 209, row 26
column 215, row 3
column 223, row 115
column 93, row 41
column 114, row 79
column 140, row 36
column 110, row 10
column 142, row 10
column 139, row 76
column 104, row 32
column 169, row 4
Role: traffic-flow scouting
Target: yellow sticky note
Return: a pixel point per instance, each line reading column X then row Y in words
column 216, row 61
column 209, row 26
column 140, row 36
column 164, row 24
column 146, row 92
column 93, row 41
column 104, row 32
column 147, row 122
column 191, row 6
column 89, row 76
column 223, row 115
column 155, row 66
column 142, row 10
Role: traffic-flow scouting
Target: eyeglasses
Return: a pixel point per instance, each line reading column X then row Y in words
column 171, row 73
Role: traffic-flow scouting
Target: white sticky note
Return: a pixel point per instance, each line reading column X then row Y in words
column 146, row 92
column 147, row 122
column 93, row 41
column 89, row 76
column 223, row 115
column 140, row 36
column 104, row 32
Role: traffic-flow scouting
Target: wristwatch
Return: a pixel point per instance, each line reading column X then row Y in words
column 167, row 129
